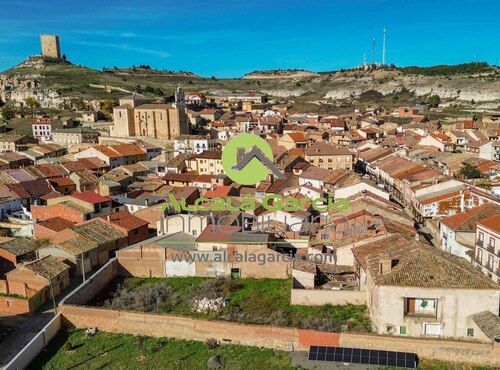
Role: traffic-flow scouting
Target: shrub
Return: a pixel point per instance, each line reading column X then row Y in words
column 67, row 346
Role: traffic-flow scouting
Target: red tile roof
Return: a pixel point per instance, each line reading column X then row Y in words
column 492, row 223
column 61, row 181
column 219, row 191
column 90, row 197
column 297, row 136
column 56, row 223
column 129, row 149
column 125, row 220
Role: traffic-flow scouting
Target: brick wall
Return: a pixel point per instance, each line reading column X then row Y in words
column 14, row 306
column 444, row 350
column 179, row 327
column 3, row 286
column 40, row 232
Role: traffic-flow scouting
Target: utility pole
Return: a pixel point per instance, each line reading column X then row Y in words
column 83, row 269
column 383, row 49
column 373, row 51
column 52, row 293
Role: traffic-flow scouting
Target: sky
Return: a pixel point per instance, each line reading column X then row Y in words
column 228, row 38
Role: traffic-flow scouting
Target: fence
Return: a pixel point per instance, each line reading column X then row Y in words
column 36, row 345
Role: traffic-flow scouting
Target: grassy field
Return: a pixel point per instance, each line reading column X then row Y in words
column 118, row 351
column 121, row 351
column 256, row 301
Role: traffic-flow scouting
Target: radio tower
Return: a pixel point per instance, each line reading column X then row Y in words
column 364, row 59
column 373, row 51
column 383, row 49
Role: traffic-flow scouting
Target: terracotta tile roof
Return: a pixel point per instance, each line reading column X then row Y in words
column 297, row 136
column 107, row 151
column 129, row 149
column 320, row 149
column 37, row 187
column 48, row 267
column 218, row 233
column 210, row 154
column 297, row 151
column 77, row 245
column 93, row 163
column 98, row 231
column 125, row 220
column 492, row 223
column 204, row 178
column 51, row 170
column 489, row 323
column 90, row 197
column 20, row 246
column 61, row 181
column 466, row 221
column 56, row 223
column 73, row 166
column 219, row 191
column 415, row 264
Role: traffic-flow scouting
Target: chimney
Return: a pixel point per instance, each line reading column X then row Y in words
column 108, row 217
column 385, row 265
column 462, row 201
column 240, row 153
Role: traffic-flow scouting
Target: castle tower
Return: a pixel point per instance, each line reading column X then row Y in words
column 50, row 46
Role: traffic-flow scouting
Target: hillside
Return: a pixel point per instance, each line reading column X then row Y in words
column 60, row 84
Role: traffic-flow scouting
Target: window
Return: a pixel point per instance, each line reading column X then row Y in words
column 339, row 159
column 490, row 261
column 481, row 236
column 470, row 332
column 402, row 330
column 492, row 242
column 420, row 307
column 235, row 273
column 136, row 232
column 479, row 255
column 195, row 232
column 347, row 158
column 324, row 236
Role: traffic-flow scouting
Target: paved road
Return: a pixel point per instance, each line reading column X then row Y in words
column 26, row 327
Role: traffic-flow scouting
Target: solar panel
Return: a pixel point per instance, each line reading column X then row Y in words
column 363, row 356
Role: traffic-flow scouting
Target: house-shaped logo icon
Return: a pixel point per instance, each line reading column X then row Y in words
column 247, row 160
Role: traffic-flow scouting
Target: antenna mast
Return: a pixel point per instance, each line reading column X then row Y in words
column 383, row 49
column 373, row 51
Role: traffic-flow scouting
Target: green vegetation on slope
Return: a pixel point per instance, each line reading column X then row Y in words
column 252, row 301
column 446, row 70
column 119, row 351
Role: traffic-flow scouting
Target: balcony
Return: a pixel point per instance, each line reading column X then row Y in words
column 490, row 268
column 490, row 249
column 479, row 243
column 478, row 261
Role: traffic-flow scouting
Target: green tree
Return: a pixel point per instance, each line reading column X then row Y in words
column 31, row 102
column 434, row 101
column 108, row 105
column 470, row 172
column 7, row 112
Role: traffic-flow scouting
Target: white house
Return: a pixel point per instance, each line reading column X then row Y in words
column 414, row 289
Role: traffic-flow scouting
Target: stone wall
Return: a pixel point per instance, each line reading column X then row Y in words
column 319, row 297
